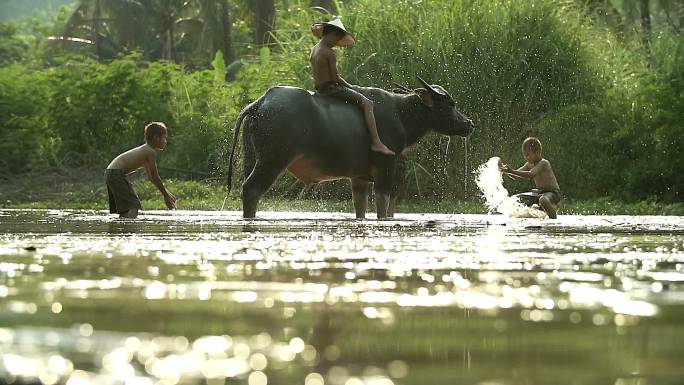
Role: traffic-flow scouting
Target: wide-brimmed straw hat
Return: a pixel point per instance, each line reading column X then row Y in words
column 346, row 41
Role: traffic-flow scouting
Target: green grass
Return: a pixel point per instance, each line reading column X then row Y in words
column 608, row 112
column 82, row 189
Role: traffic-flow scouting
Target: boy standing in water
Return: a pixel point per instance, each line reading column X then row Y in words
column 329, row 82
column 122, row 199
column 547, row 194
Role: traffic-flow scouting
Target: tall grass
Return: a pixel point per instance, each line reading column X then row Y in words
column 606, row 112
column 609, row 115
column 508, row 64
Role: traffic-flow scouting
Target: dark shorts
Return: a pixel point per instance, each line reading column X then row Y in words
column 341, row 92
column 120, row 191
column 532, row 197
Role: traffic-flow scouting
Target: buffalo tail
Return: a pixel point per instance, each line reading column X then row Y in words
column 249, row 110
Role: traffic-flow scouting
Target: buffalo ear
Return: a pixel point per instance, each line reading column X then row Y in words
column 426, row 97
column 429, row 87
column 401, row 89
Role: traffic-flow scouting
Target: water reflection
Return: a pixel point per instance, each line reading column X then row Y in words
column 205, row 297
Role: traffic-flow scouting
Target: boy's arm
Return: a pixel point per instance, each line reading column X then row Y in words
column 527, row 171
column 153, row 175
column 525, row 167
column 516, row 173
column 332, row 63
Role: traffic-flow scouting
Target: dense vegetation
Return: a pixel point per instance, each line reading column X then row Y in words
column 13, row 9
column 603, row 90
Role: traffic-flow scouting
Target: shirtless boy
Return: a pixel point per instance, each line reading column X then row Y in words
column 547, row 194
column 122, row 199
column 329, row 82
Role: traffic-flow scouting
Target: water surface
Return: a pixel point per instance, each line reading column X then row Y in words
column 191, row 297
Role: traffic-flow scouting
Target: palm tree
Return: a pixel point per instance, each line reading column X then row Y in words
column 107, row 26
column 215, row 22
column 113, row 26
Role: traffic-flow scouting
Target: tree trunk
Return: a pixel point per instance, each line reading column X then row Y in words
column 97, row 18
column 265, row 16
column 226, row 46
column 172, row 37
column 169, row 46
column 644, row 10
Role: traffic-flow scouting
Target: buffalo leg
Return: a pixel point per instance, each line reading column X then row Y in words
column 398, row 184
column 257, row 183
column 359, row 195
column 383, row 175
column 381, row 204
column 392, row 207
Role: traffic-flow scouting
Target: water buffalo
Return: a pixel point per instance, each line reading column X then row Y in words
column 318, row 138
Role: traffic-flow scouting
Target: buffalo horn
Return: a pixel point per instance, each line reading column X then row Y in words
column 427, row 86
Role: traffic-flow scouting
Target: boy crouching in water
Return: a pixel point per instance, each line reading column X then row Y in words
column 547, row 194
column 122, row 199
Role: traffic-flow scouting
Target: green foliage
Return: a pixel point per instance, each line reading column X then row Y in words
column 219, row 66
column 608, row 111
column 607, row 206
column 13, row 9
column 98, row 109
column 203, row 112
column 88, row 112
column 627, row 145
column 24, row 138
column 12, row 47
column 577, row 141
column 182, row 31
column 508, row 64
column 667, row 94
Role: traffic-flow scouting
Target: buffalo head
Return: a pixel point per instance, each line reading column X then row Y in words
column 444, row 116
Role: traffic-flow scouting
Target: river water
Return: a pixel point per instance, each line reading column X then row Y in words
column 192, row 297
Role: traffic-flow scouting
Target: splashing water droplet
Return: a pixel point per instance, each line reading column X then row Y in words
column 489, row 180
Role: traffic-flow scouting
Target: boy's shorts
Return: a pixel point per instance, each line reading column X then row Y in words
column 341, row 92
column 120, row 191
column 532, row 197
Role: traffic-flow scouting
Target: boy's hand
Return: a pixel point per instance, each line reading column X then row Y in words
column 170, row 201
column 503, row 167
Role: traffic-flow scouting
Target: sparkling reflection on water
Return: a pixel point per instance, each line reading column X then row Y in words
column 320, row 298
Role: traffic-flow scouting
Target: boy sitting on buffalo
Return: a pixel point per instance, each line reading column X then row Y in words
column 122, row 199
column 328, row 80
column 547, row 192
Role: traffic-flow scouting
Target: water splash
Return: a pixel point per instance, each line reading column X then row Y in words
column 489, row 180
column 465, row 167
